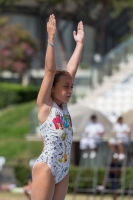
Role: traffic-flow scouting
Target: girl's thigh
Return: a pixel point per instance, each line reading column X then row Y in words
column 43, row 183
column 61, row 189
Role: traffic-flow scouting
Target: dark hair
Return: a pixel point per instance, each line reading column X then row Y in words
column 120, row 118
column 93, row 117
column 58, row 74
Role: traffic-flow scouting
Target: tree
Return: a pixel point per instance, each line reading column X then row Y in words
column 112, row 9
column 120, row 6
column 7, row 3
column 63, row 9
column 17, row 47
column 92, row 12
column 76, row 10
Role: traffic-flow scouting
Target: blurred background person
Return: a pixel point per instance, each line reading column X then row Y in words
column 122, row 138
column 112, row 177
column 27, row 188
column 93, row 136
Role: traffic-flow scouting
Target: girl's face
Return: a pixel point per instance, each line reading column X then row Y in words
column 62, row 91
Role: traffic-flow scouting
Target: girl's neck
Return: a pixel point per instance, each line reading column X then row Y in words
column 59, row 103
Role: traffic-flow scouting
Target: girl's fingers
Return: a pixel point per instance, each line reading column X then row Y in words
column 52, row 19
column 54, row 22
column 49, row 21
column 53, row 16
column 80, row 25
column 74, row 33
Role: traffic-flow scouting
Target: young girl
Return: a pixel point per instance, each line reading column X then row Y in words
column 50, row 172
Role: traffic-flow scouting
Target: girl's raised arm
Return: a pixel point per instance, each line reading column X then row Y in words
column 73, row 63
column 44, row 96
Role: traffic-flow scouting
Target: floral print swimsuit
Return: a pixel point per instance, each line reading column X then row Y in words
column 57, row 134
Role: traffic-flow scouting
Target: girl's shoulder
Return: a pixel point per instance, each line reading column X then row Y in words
column 43, row 112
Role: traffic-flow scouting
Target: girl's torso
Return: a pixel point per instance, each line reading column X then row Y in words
column 57, row 135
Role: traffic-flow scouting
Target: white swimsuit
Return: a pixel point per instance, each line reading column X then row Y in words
column 57, row 134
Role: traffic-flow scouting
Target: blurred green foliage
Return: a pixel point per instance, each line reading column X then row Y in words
column 84, row 65
column 21, row 172
column 6, row 3
column 16, row 93
column 115, row 7
column 14, row 127
column 89, row 173
column 17, row 47
column 49, row 1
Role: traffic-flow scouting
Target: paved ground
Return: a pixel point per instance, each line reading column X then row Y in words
column 10, row 196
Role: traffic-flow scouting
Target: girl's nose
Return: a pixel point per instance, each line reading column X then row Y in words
column 71, row 90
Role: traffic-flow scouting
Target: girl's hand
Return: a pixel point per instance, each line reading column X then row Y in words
column 51, row 27
column 79, row 37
